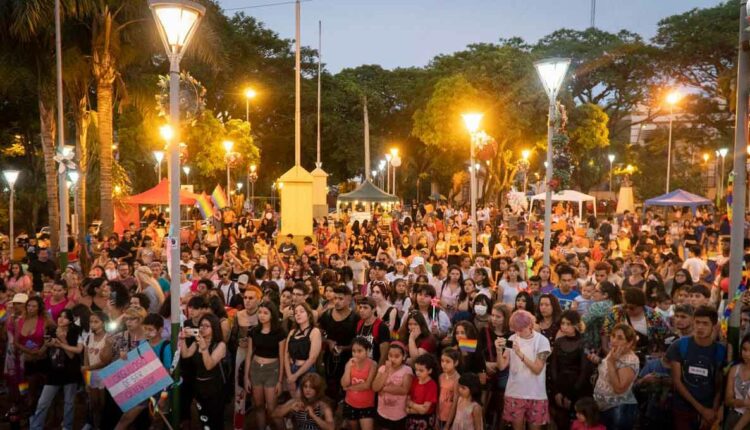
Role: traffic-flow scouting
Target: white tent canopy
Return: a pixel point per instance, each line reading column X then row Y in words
column 568, row 196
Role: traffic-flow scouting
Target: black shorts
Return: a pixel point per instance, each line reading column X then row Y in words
column 385, row 423
column 352, row 413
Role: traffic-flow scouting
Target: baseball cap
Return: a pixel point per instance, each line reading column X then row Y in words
column 378, row 265
column 243, row 279
column 417, row 261
column 401, row 261
column 20, row 298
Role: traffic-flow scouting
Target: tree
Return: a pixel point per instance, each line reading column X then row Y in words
column 589, row 134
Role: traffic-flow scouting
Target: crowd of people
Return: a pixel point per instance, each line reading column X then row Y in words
column 390, row 323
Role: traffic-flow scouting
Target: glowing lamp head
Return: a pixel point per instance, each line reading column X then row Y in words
column 394, row 152
column 673, row 97
column 167, row 132
column 552, row 72
column 239, row 185
column 253, row 168
column 388, row 157
column 611, row 157
column 159, row 156
column 705, row 155
column 11, row 176
column 73, row 176
column 177, row 21
column 228, row 145
column 250, row 93
column 723, row 152
column 472, row 121
column 186, row 169
column 525, row 154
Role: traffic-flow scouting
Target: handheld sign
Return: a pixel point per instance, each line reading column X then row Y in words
column 134, row 380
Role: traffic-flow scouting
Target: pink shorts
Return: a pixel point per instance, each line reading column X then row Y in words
column 531, row 411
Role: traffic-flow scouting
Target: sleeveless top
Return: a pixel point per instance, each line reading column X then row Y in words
column 741, row 388
column 303, row 421
column 464, row 419
column 36, row 339
column 54, row 310
column 299, row 347
column 201, row 372
column 363, row 398
column 94, row 349
column 448, row 387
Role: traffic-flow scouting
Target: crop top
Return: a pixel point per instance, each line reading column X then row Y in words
column 266, row 345
column 299, row 347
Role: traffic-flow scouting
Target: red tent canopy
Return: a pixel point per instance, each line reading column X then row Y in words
column 159, row 195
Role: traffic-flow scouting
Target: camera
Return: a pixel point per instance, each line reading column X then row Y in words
column 192, row 332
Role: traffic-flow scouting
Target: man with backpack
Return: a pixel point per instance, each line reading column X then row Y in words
column 696, row 365
column 373, row 329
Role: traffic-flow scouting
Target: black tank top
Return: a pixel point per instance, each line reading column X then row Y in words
column 299, row 347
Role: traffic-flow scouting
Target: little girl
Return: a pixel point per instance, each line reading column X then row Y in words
column 587, row 415
column 392, row 384
column 468, row 407
column 423, row 395
column 311, row 411
column 448, row 385
column 359, row 405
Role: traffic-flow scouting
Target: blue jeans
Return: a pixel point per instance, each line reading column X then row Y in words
column 45, row 401
column 621, row 417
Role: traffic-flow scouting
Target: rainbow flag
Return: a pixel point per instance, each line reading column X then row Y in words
column 205, row 206
column 467, row 345
column 3, row 314
column 23, row 388
column 219, row 198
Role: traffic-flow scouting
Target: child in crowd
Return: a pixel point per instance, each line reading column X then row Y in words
column 448, row 385
column 359, row 405
column 586, row 298
column 469, row 415
column 423, row 394
column 392, row 383
column 310, row 411
column 587, row 415
column 738, row 388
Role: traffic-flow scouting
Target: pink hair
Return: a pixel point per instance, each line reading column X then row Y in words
column 521, row 319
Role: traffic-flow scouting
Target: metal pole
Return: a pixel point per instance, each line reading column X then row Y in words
column 394, row 180
column 229, row 182
column 473, row 193
column 12, row 237
column 61, row 181
column 669, row 145
column 252, row 198
column 173, row 243
column 548, row 190
column 740, row 159
column 610, row 177
column 297, row 87
column 318, row 163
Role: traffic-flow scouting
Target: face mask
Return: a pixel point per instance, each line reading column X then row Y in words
column 111, row 274
column 480, row 310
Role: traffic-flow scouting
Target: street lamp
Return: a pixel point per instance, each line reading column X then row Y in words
column 551, row 72
column 611, row 158
column 11, row 176
column 395, row 162
column 176, row 21
column 525, row 155
column 74, row 176
column 721, row 153
column 186, row 169
column 252, row 176
column 388, row 158
column 228, row 145
column 159, row 156
column 672, row 99
column 249, row 95
column 472, row 120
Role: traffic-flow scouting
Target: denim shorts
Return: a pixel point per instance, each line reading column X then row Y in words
column 264, row 375
column 294, row 368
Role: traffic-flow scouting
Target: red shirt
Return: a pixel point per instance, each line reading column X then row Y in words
column 423, row 393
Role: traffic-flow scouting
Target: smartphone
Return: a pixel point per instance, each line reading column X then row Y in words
column 509, row 344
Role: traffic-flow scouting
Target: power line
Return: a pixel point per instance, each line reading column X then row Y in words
column 265, row 5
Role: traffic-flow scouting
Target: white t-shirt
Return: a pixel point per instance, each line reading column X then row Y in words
column 696, row 267
column 510, row 291
column 522, row 382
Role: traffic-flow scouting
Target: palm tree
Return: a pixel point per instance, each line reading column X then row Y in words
column 26, row 34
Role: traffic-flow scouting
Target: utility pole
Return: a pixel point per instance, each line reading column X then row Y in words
column 736, row 249
column 593, row 14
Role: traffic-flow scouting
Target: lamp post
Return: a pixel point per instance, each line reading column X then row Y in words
column 252, row 176
column 611, row 158
column 525, row 155
column 249, row 95
column 472, row 120
column 672, row 99
column 11, row 176
column 381, row 167
column 551, row 72
column 159, row 156
column 186, row 169
column 61, row 181
column 176, row 21
column 228, row 145
column 395, row 162
column 721, row 153
column 74, row 176
column 388, row 158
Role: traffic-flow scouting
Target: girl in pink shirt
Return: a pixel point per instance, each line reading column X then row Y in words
column 392, row 383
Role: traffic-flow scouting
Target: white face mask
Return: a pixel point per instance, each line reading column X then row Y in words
column 111, row 274
column 480, row 310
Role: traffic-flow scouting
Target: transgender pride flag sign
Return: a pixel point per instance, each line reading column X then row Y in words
column 134, row 380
